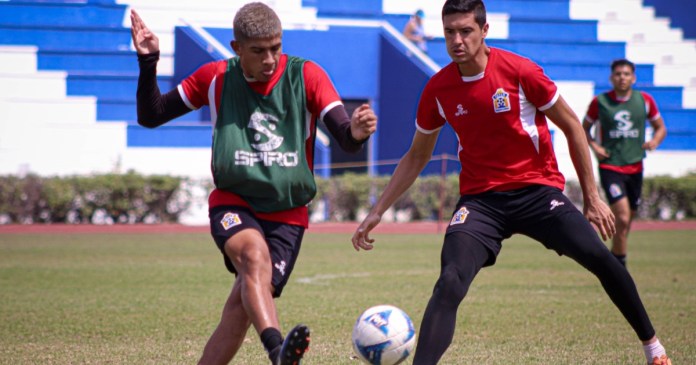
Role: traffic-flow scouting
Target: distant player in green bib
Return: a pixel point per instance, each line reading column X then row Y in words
column 264, row 106
column 619, row 144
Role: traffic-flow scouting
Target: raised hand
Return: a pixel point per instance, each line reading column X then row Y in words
column 363, row 122
column 144, row 40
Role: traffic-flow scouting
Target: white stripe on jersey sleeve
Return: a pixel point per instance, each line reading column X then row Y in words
column 527, row 118
column 212, row 101
column 328, row 109
column 440, row 110
column 426, row 131
column 550, row 103
column 589, row 120
column 431, row 131
column 308, row 124
column 186, row 100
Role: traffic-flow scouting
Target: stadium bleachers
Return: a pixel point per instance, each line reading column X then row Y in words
column 74, row 72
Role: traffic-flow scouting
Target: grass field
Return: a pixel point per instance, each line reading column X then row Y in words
column 155, row 298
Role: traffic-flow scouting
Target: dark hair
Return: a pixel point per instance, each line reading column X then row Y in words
column 623, row 62
column 466, row 6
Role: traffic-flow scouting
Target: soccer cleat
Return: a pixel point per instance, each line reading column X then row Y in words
column 663, row 360
column 294, row 347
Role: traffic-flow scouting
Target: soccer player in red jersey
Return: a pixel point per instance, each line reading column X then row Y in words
column 620, row 145
column 497, row 103
column 264, row 106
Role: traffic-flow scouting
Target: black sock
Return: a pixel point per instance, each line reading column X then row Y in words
column 621, row 258
column 272, row 340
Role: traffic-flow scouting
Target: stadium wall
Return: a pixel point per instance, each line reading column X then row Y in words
column 71, row 110
column 680, row 12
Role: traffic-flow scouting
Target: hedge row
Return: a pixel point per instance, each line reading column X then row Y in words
column 108, row 198
column 135, row 198
column 348, row 196
column 669, row 198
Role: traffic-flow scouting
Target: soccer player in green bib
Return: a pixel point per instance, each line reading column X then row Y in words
column 264, row 107
column 620, row 145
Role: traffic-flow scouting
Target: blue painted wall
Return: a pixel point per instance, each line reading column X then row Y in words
column 352, row 8
column 177, row 136
column 194, row 51
column 533, row 9
column 88, row 41
column 349, row 55
column 62, row 14
column 682, row 14
column 402, row 79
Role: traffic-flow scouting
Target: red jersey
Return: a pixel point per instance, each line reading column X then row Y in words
column 204, row 87
column 592, row 117
column 504, row 139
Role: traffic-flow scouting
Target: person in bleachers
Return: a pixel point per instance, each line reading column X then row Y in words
column 497, row 103
column 414, row 32
column 265, row 106
column 620, row 145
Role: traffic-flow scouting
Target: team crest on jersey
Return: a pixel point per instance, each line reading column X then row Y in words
column 230, row 220
column 501, row 101
column 460, row 216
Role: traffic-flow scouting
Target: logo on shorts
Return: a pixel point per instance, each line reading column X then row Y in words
column 501, row 101
column 555, row 203
column 281, row 267
column 230, row 220
column 460, row 216
column 614, row 190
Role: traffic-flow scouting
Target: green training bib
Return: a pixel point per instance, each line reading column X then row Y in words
column 259, row 141
column 623, row 128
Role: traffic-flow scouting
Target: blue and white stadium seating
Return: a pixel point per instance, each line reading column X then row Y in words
column 69, row 73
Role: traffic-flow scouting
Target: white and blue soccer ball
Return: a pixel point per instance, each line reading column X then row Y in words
column 383, row 335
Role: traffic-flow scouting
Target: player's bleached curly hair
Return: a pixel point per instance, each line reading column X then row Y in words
column 256, row 21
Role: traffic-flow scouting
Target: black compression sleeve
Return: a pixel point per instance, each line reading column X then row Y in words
column 155, row 109
column 338, row 123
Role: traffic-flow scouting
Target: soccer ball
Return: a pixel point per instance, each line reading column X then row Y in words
column 383, row 335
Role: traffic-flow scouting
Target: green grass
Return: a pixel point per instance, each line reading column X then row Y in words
column 155, row 299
